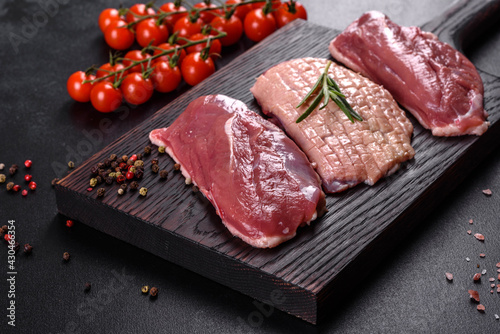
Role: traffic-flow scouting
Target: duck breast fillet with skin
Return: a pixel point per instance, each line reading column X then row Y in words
column 261, row 184
column 344, row 153
column 435, row 82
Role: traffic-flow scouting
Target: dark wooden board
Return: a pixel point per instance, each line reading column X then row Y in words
column 315, row 269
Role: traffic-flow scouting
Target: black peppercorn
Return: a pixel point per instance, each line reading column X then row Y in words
column 101, row 192
column 124, row 186
column 99, row 179
column 109, row 180
column 87, row 287
column 139, row 156
column 163, row 174
column 130, row 162
column 154, row 161
column 177, row 166
column 147, row 150
column 139, row 173
column 107, row 162
column 134, row 185
column 153, row 292
column 28, row 248
column 114, row 164
column 113, row 157
column 9, row 186
column 13, row 169
column 155, row 168
column 66, row 256
column 100, row 165
column 94, row 170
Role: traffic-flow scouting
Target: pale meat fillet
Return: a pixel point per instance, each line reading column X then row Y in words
column 344, row 153
column 435, row 82
column 261, row 184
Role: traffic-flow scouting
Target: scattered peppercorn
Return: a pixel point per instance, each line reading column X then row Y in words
column 101, row 192
column 143, row 191
column 94, row 170
column 107, row 162
column 153, row 292
column 155, row 168
column 99, row 179
column 69, row 223
column 132, row 169
column 93, row 182
column 139, row 173
column 195, row 189
column 3, row 178
column 109, row 180
column 71, row 164
column 134, row 185
column 16, row 187
column 139, row 156
column 66, row 256
column 154, row 161
column 24, row 193
column 114, row 164
column 13, row 169
column 145, row 289
column 163, row 173
column 120, row 178
column 139, row 163
column 28, row 163
column 32, row 185
column 28, row 248
column 130, row 162
column 87, row 287
column 147, row 150
column 124, row 158
column 2, row 166
column 124, row 186
column 113, row 157
column 177, row 166
column 121, row 191
column 161, row 149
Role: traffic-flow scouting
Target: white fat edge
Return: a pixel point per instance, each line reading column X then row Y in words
column 229, row 132
column 186, row 175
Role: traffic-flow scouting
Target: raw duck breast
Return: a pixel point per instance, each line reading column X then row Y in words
column 260, row 183
column 343, row 153
column 435, row 82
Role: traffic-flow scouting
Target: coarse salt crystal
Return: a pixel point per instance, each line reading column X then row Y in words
column 487, row 192
column 467, row 259
column 469, row 232
column 479, row 236
column 483, row 272
column 449, row 276
column 470, row 221
column 497, row 316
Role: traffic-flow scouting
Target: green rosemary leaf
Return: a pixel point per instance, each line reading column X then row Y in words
column 316, row 85
column 313, row 106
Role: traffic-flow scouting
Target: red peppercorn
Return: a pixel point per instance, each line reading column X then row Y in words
column 16, row 187
column 32, row 185
column 7, row 237
column 122, row 165
column 130, row 175
column 24, row 192
column 28, row 163
column 69, row 223
column 90, row 189
column 27, row 178
column 120, row 179
column 133, row 157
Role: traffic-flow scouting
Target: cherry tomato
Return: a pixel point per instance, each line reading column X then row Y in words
column 118, row 36
column 259, row 25
column 275, row 5
column 148, row 31
column 171, row 19
column 107, row 16
column 77, row 90
column 138, row 9
column 240, row 11
column 185, row 28
column 207, row 15
column 167, row 46
column 136, row 55
column 232, row 27
column 195, row 69
column 284, row 15
column 166, row 78
column 105, row 97
column 105, row 70
column 215, row 46
column 136, row 89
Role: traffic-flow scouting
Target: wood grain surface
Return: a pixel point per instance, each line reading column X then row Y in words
column 306, row 274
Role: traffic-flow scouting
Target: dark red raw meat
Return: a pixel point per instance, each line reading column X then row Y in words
column 260, row 183
column 431, row 79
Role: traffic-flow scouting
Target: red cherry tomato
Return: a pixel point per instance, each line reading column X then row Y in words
column 185, row 28
column 275, row 5
column 148, row 31
column 207, row 15
column 107, row 16
column 135, row 55
column 284, row 15
column 138, row 9
column 118, row 36
column 166, row 78
column 194, row 69
column 232, row 27
column 107, row 68
column 215, row 46
column 240, row 11
column 105, row 97
column 258, row 25
column 77, row 90
column 171, row 19
column 167, row 46
column 136, row 89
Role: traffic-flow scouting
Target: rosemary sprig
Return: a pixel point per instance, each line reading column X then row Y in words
column 329, row 90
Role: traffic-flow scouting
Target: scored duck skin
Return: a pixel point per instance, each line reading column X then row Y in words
column 432, row 80
column 260, row 183
column 344, row 153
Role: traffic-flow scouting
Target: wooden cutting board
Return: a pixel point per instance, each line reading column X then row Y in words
column 315, row 269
